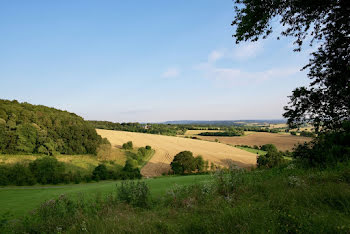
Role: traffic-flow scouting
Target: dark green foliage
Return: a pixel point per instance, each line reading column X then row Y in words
column 326, row 103
column 293, row 133
column 148, row 147
column 229, row 133
column 327, row 149
column 130, row 170
column 199, row 163
column 185, row 163
column 47, row 170
column 100, row 172
column 134, row 193
column 271, row 159
column 19, row 174
column 163, row 129
column 307, row 134
column 128, row 145
column 269, row 147
column 4, row 172
column 26, row 128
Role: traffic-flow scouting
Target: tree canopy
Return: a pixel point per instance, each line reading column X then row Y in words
column 326, row 102
column 26, row 128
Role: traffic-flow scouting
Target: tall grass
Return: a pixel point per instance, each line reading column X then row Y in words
column 285, row 199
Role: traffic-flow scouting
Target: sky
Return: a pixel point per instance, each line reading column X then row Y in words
column 145, row 61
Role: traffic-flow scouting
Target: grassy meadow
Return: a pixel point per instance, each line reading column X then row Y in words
column 18, row 201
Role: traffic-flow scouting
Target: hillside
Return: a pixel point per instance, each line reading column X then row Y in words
column 167, row 147
column 26, row 128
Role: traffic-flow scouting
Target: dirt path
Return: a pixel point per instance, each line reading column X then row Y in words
column 167, row 147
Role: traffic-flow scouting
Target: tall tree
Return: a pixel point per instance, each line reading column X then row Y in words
column 326, row 102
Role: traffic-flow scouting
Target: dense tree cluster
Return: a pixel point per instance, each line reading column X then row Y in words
column 236, row 132
column 185, row 163
column 162, row 129
column 26, row 128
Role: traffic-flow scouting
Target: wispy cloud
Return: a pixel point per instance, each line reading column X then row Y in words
column 239, row 76
column 215, row 55
column 171, row 73
column 247, row 50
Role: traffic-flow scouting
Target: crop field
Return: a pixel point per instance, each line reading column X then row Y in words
column 282, row 141
column 21, row 200
column 167, row 147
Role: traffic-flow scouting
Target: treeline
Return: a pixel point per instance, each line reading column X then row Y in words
column 48, row 170
column 162, row 129
column 26, row 128
column 228, row 133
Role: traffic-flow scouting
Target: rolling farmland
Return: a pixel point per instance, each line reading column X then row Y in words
column 167, row 147
column 282, row 141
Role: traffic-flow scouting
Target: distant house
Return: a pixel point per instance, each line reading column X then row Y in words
column 147, row 126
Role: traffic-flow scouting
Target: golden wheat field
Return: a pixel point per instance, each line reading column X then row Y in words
column 282, row 141
column 167, row 147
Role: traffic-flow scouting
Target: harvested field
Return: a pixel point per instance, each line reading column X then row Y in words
column 282, row 141
column 167, row 147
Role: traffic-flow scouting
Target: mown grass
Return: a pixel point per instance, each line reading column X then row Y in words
column 20, row 200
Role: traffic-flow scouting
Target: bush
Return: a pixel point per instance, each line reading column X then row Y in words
column 100, row 173
column 307, row 134
column 128, row 145
column 327, row 149
column 148, row 147
column 271, row 159
column 20, row 174
column 268, row 147
column 47, row 170
column 134, row 193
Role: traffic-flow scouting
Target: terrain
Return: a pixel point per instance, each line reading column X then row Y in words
column 19, row 201
column 167, row 147
column 281, row 141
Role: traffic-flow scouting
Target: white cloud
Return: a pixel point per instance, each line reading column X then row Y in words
column 215, row 55
column 239, row 76
column 171, row 73
column 247, row 50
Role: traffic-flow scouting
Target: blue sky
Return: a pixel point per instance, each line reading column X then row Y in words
column 143, row 61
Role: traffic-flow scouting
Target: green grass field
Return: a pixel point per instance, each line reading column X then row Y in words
column 21, row 200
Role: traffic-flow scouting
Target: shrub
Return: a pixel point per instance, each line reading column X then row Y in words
column 100, row 172
column 271, row 159
column 327, row 149
column 134, row 193
column 148, row 147
column 4, row 173
column 47, row 170
column 269, row 147
column 128, row 145
column 21, row 175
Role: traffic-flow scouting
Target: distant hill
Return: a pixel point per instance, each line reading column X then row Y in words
column 26, row 128
column 226, row 122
